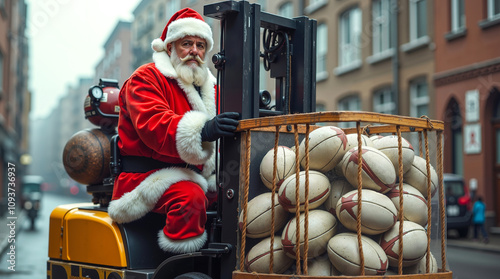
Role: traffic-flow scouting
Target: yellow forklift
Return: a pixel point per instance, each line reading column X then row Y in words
column 84, row 242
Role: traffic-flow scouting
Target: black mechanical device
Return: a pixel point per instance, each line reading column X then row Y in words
column 289, row 55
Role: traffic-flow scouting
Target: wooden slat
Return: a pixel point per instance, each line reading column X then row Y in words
column 342, row 116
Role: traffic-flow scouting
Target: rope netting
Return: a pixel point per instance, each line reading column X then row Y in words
column 302, row 245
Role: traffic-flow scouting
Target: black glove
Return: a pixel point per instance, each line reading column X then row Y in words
column 222, row 125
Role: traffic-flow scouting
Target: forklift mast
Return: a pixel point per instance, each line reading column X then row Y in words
column 288, row 51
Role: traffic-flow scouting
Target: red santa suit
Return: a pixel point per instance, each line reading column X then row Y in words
column 161, row 117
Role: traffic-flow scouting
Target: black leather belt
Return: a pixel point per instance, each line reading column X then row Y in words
column 144, row 164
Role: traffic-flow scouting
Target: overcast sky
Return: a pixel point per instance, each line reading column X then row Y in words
column 66, row 40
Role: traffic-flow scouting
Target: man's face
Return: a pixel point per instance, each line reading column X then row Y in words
column 189, row 45
column 188, row 58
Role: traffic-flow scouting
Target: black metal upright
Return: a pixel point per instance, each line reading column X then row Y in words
column 290, row 54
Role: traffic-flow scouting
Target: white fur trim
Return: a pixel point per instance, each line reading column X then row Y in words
column 136, row 203
column 212, row 183
column 189, row 26
column 208, row 170
column 188, row 245
column 158, row 45
column 188, row 139
column 209, row 167
column 205, row 103
column 164, row 65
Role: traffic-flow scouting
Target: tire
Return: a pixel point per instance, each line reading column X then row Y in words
column 193, row 275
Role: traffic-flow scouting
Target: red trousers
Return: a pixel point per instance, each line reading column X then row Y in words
column 185, row 206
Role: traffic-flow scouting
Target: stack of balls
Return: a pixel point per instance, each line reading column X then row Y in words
column 333, row 207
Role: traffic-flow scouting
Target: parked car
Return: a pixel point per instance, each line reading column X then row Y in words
column 458, row 204
column 32, row 196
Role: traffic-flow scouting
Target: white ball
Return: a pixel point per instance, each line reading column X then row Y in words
column 417, row 176
column 259, row 216
column 375, row 138
column 352, row 141
column 321, row 266
column 285, row 166
column 319, row 190
column 389, row 146
column 414, row 243
column 321, row 227
column 327, row 146
column 414, row 204
column 391, row 272
column 377, row 170
column 339, row 187
column 378, row 213
column 420, row 267
column 259, row 256
column 339, row 169
column 344, row 254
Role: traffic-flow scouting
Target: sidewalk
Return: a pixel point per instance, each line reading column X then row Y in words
column 469, row 243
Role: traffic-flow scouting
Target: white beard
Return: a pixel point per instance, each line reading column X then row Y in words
column 190, row 74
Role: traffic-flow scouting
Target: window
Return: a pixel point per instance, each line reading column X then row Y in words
column 150, row 20
column 454, row 121
column 315, row 5
column 161, row 12
column 418, row 19
column 286, row 10
column 349, row 103
column 493, row 9
column 492, row 16
column 172, row 7
column 381, row 26
column 263, row 4
column 383, row 101
column 419, row 98
column 457, row 15
column 320, row 107
column 321, row 51
column 117, row 51
column 350, row 37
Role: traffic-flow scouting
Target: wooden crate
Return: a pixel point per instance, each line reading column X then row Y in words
column 297, row 127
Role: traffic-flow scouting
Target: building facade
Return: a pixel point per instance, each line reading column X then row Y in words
column 14, row 95
column 54, row 131
column 117, row 61
column 467, row 82
column 374, row 56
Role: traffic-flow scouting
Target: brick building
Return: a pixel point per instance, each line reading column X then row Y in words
column 467, row 82
column 14, row 95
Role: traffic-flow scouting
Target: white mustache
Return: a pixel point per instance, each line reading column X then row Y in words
column 188, row 57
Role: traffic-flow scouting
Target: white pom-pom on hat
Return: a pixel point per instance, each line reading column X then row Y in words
column 158, row 45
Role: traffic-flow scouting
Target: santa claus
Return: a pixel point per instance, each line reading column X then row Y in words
column 167, row 128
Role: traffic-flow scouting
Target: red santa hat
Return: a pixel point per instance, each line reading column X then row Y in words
column 185, row 22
